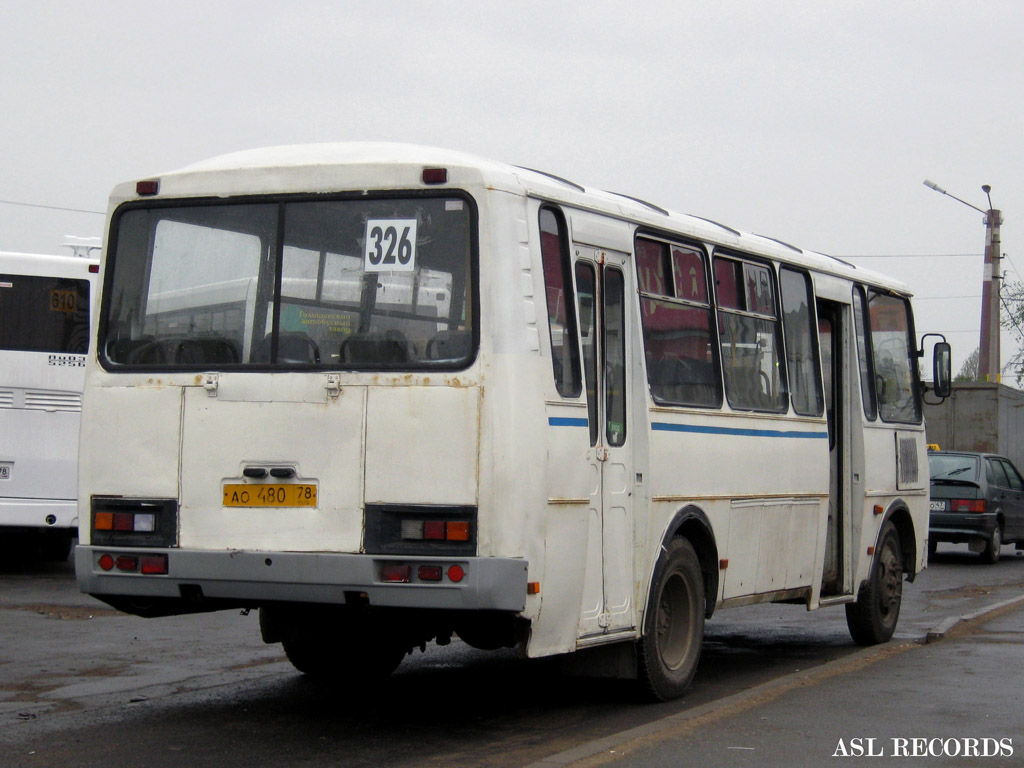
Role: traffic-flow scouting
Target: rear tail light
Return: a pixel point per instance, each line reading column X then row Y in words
column 125, row 521
column 430, row 572
column 405, row 573
column 153, row 564
column 967, row 505
column 396, row 574
column 433, row 529
column 436, row 530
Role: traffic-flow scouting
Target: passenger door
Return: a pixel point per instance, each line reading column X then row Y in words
column 602, row 285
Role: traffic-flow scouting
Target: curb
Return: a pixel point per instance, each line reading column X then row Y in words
column 947, row 624
column 605, row 744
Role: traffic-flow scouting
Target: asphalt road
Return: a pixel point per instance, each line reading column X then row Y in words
column 81, row 685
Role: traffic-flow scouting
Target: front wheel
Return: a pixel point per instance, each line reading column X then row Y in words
column 669, row 650
column 872, row 619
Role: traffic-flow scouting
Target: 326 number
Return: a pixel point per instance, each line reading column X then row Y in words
column 390, row 245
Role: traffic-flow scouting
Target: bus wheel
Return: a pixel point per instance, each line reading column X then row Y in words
column 668, row 652
column 325, row 655
column 872, row 619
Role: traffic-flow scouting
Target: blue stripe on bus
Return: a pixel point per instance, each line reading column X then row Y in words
column 660, row 426
column 562, row 421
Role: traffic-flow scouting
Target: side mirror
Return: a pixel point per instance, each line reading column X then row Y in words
column 942, row 372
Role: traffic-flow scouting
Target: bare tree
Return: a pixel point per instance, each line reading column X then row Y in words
column 969, row 370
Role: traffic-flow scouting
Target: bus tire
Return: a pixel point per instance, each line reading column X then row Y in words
column 872, row 619
column 668, row 651
column 326, row 656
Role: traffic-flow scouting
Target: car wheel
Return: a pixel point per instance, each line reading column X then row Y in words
column 872, row 619
column 991, row 552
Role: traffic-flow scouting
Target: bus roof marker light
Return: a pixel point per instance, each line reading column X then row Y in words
column 147, row 188
column 435, row 175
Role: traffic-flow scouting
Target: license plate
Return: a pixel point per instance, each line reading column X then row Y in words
column 937, row 506
column 5, row 471
column 269, row 495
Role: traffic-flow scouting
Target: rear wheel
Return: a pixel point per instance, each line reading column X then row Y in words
column 668, row 653
column 327, row 646
column 872, row 619
column 991, row 552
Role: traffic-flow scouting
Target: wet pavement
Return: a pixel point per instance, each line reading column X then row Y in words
column 208, row 685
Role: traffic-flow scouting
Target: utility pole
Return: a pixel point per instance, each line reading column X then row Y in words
column 988, row 346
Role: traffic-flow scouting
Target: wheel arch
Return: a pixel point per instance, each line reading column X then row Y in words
column 692, row 524
column 899, row 516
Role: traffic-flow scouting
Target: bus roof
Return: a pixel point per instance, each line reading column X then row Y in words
column 345, row 166
column 44, row 264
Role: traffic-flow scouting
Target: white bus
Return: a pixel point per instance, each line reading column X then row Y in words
column 391, row 394
column 44, row 335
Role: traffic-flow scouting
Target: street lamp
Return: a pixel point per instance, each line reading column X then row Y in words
column 988, row 348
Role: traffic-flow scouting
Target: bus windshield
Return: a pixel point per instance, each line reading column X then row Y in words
column 362, row 283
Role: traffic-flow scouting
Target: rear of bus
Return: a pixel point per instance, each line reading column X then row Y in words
column 284, row 408
column 44, row 335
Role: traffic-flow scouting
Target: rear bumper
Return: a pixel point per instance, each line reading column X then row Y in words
column 254, row 578
column 960, row 528
column 53, row 514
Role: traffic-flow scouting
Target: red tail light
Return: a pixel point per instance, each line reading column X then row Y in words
column 396, row 574
column 154, row 564
column 967, row 505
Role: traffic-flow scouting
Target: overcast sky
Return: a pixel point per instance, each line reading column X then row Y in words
column 814, row 122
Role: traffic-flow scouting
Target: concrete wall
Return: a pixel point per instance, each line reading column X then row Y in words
column 979, row 417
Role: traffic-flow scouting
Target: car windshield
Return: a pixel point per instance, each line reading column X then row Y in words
column 955, row 466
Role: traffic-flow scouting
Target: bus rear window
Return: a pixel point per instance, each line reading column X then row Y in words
column 351, row 284
column 44, row 314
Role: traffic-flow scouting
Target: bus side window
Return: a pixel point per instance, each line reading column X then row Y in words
column 750, row 336
column 867, row 389
column 554, row 247
column 679, row 347
column 801, row 356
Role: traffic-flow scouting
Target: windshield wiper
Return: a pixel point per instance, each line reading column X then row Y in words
column 957, row 471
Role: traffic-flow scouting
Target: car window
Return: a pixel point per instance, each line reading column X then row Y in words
column 997, row 474
column 1012, row 476
column 954, row 466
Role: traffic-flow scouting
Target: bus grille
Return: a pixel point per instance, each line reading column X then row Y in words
column 6, row 398
column 906, row 460
column 53, row 401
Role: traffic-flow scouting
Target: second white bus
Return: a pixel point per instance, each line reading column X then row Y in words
column 44, row 335
column 390, row 394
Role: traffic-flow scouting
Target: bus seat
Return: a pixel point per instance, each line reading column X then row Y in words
column 204, row 351
column 124, row 350
column 449, row 345
column 292, row 349
column 363, row 348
